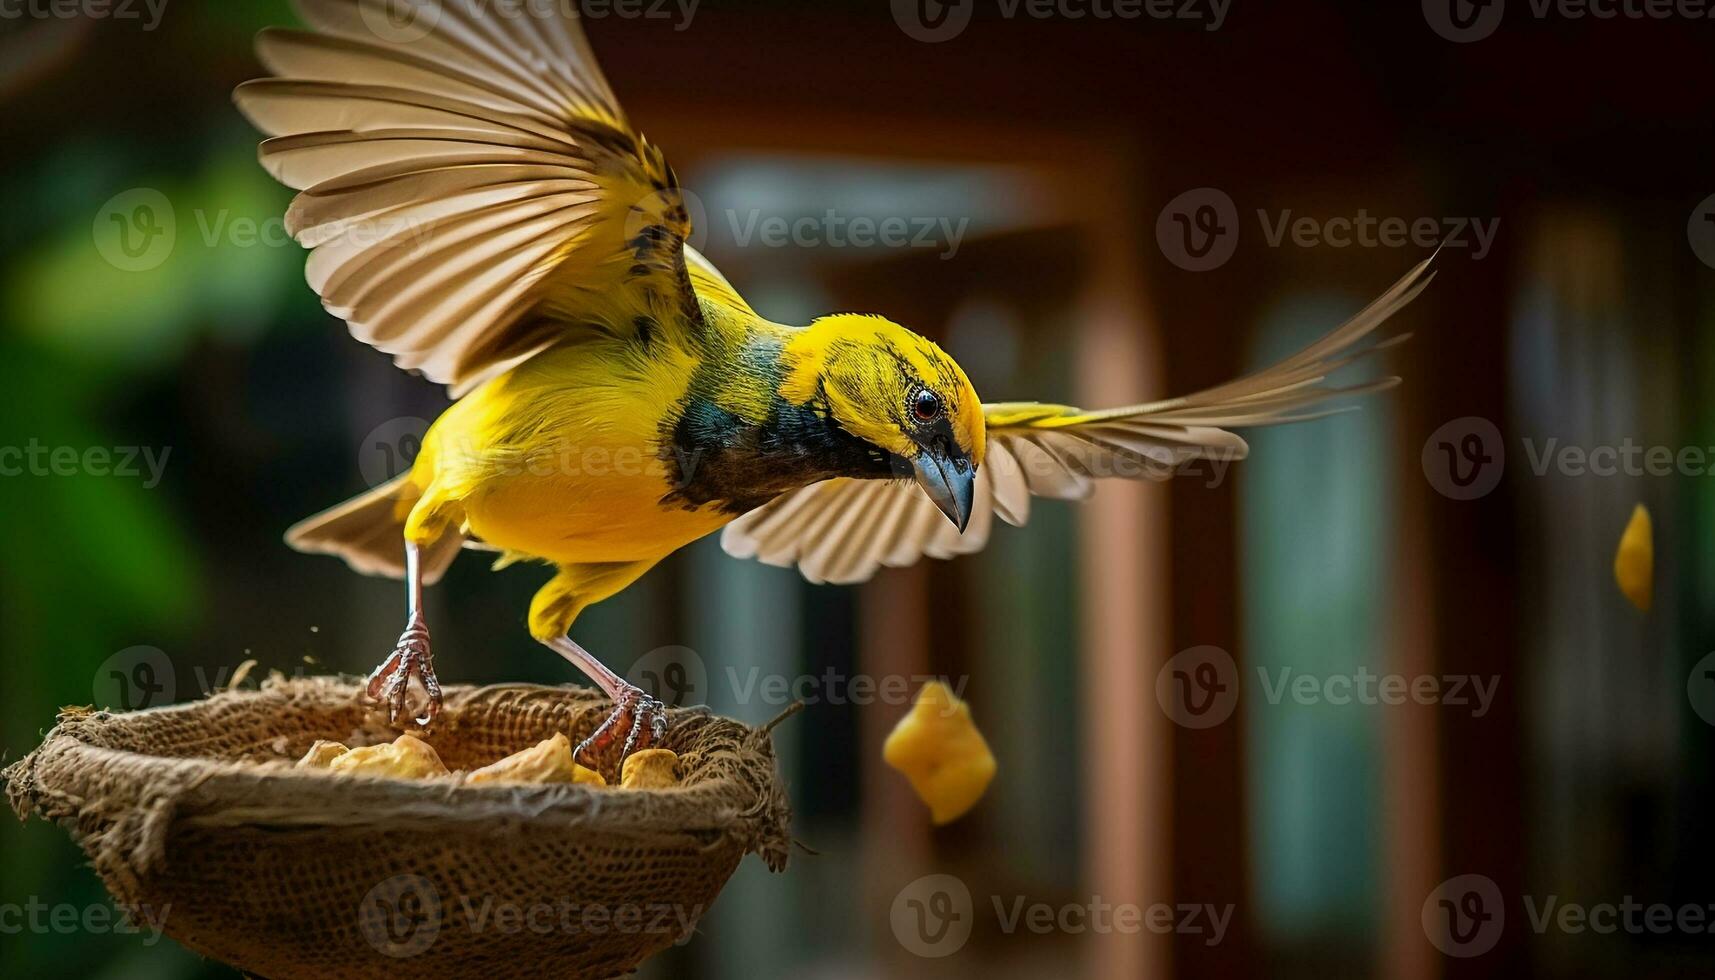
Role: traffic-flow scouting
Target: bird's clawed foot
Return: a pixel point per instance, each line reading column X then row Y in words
column 638, row 721
column 390, row 684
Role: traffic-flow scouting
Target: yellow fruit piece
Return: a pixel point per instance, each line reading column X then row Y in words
column 940, row 751
column 407, row 757
column 321, row 754
column 1634, row 562
column 548, row 762
column 650, row 769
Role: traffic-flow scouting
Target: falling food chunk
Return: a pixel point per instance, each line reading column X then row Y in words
column 407, row 757
column 322, row 754
column 650, row 769
column 1634, row 562
column 940, row 751
column 548, row 762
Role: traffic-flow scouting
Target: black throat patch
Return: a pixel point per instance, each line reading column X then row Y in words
column 719, row 460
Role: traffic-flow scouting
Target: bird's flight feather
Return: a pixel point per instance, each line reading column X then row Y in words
column 473, row 195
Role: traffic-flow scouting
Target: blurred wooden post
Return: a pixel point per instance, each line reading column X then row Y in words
column 1411, row 791
column 1123, row 561
column 893, row 608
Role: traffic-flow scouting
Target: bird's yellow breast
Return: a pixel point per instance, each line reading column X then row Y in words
column 567, row 458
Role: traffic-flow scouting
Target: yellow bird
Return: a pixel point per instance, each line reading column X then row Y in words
column 479, row 208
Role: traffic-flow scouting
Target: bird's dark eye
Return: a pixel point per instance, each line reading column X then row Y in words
column 926, row 405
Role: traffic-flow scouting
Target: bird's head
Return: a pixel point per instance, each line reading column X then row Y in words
column 898, row 392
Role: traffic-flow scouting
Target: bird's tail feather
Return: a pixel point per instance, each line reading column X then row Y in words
column 368, row 531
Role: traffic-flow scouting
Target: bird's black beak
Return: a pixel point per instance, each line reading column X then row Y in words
column 950, row 483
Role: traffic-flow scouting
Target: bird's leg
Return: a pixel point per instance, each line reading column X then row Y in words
column 637, row 722
column 390, row 684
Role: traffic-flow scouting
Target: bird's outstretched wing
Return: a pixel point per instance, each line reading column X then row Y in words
column 470, row 186
column 844, row 530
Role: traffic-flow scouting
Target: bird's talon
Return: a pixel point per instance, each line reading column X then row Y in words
column 390, row 684
column 641, row 719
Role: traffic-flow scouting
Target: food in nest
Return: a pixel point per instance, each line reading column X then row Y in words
column 547, row 762
column 322, row 754
column 406, row 757
column 650, row 769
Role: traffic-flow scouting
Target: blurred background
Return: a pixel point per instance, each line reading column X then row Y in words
column 1098, row 202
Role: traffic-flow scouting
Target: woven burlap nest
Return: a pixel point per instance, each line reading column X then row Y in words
column 193, row 814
